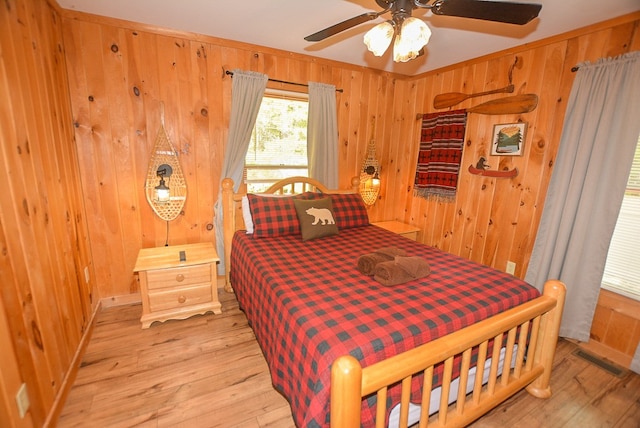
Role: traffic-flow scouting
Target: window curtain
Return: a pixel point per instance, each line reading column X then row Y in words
column 247, row 90
column 322, row 134
column 587, row 186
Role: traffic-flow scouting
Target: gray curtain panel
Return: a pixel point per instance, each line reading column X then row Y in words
column 587, row 186
column 322, row 134
column 247, row 91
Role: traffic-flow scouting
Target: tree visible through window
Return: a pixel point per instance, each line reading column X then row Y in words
column 278, row 146
column 622, row 270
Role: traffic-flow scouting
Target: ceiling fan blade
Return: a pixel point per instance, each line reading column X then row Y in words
column 508, row 12
column 344, row 25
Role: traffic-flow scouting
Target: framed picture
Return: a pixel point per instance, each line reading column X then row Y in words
column 508, row 139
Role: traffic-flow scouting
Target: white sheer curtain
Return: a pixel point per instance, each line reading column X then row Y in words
column 322, row 134
column 247, row 90
column 587, row 186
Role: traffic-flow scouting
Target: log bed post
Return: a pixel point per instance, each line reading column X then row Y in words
column 548, row 339
column 346, row 382
column 229, row 226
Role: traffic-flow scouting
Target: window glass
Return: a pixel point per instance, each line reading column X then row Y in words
column 278, row 146
column 622, row 270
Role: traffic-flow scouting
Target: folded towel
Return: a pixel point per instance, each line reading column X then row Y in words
column 417, row 267
column 367, row 263
column 401, row 270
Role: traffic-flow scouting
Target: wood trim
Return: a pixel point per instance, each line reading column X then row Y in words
column 139, row 26
column 538, row 43
column 121, row 300
column 607, row 352
column 615, row 330
column 619, row 303
column 70, row 376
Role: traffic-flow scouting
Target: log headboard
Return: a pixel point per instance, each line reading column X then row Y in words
column 232, row 207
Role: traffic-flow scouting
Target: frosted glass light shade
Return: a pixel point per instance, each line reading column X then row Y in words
column 379, row 38
column 413, row 36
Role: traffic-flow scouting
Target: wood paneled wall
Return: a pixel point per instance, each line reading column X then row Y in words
column 122, row 72
column 495, row 220
column 615, row 332
column 120, row 76
column 45, row 302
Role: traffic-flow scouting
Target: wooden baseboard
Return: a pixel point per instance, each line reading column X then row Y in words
column 70, row 376
column 606, row 352
column 125, row 299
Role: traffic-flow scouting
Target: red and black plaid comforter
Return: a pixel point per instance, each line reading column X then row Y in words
column 308, row 304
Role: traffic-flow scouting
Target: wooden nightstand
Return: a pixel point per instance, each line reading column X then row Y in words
column 175, row 289
column 400, row 228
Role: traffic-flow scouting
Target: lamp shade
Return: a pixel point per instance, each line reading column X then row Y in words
column 413, row 36
column 379, row 38
column 162, row 192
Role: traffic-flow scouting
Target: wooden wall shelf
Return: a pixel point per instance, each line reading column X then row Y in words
column 510, row 173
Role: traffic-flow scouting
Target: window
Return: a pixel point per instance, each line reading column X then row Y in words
column 622, row 270
column 278, row 146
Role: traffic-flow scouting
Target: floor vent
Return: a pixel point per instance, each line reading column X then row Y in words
column 600, row 362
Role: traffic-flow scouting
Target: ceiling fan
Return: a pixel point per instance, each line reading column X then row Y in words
column 413, row 34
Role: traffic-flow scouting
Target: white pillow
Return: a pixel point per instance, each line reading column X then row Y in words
column 246, row 215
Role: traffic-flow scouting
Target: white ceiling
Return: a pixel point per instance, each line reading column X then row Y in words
column 283, row 24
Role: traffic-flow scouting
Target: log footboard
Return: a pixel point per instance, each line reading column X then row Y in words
column 537, row 320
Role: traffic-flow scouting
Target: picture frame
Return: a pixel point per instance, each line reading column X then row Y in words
column 508, row 139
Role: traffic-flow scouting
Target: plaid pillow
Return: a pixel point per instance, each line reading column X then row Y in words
column 276, row 216
column 273, row 216
column 309, row 195
column 349, row 210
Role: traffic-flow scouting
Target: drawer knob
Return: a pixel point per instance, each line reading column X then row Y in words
column 182, row 299
column 179, row 277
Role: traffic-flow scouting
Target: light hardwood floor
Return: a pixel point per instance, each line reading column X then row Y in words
column 208, row 371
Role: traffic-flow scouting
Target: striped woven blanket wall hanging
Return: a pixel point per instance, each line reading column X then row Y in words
column 440, row 154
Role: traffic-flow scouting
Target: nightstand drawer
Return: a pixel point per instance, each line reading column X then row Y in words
column 176, row 298
column 177, row 287
column 179, row 276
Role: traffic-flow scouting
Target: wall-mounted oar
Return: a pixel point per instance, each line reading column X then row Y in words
column 452, row 98
column 514, row 104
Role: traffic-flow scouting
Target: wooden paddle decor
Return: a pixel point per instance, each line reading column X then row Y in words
column 452, row 98
column 514, row 104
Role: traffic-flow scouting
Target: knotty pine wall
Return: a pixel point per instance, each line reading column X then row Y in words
column 494, row 220
column 45, row 303
column 78, row 140
column 122, row 72
column 120, row 76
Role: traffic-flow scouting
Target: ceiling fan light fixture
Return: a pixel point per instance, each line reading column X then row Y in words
column 379, row 38
column 414, row 34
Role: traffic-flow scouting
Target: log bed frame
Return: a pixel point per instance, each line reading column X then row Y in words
column 350, row 382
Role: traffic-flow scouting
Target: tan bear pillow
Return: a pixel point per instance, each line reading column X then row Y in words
column 316, row 218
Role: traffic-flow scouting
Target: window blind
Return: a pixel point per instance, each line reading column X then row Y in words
column 622, row 270
column 278, row 146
